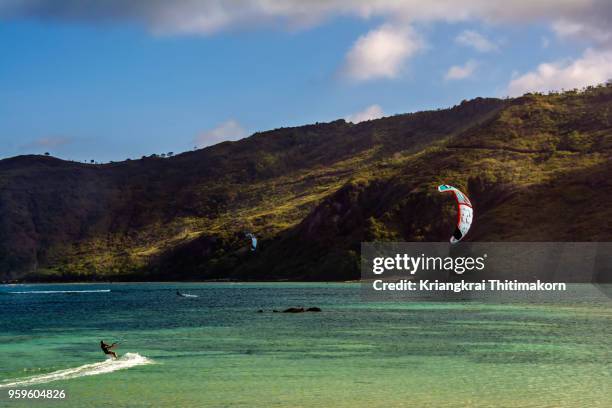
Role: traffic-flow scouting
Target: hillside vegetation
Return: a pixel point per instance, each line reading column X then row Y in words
column 537, row 168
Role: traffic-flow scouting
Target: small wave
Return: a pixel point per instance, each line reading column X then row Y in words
column 187, row 295
column 128, row 360
column 62, row 291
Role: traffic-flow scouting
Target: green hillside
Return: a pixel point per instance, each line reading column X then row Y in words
column 537, row 168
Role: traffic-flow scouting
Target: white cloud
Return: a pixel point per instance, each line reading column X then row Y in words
column 369, row 113
column 576, row 29
column 475, row 40
column 229, row 130
column 381, row 53
column 592, row 68
column 461, row 71
column 545, row 42
column 210, row 16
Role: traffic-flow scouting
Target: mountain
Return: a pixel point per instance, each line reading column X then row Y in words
column 537, row 168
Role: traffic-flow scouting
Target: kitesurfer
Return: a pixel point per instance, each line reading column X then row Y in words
column 106, row 348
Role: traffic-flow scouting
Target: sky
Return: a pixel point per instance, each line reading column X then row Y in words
column 108, row 80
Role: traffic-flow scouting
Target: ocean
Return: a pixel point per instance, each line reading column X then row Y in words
column 216, row 350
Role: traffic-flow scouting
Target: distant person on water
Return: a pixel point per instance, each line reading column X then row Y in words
column 106, row 348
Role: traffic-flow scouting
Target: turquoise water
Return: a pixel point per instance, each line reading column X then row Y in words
column 216, row 351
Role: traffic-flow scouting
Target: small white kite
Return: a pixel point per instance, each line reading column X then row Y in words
column 465, row 213
column 253, row 241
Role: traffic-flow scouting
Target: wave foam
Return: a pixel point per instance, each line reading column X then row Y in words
column 128, row 360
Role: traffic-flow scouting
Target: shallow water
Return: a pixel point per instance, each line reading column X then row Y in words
column 215, row 350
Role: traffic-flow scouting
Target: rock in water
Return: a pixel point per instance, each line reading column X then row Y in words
column 294, row 310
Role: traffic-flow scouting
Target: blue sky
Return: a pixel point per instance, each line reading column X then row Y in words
column 115, row 81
